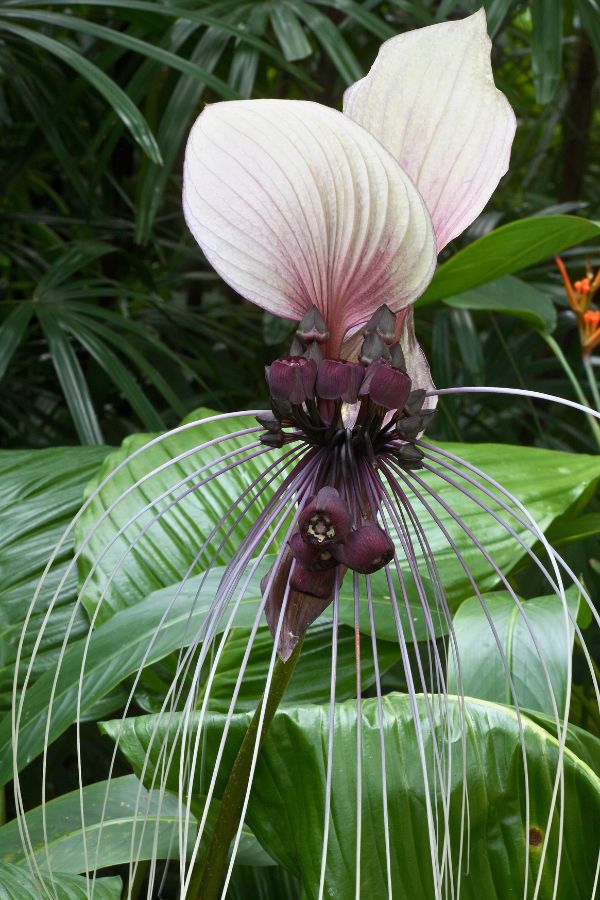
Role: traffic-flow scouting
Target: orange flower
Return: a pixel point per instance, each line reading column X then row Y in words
column 580, row 294
column 589, row 329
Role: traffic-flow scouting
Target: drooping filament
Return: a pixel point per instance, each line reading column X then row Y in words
column 251, row 535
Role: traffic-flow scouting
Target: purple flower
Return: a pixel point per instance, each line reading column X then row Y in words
column 292, row 378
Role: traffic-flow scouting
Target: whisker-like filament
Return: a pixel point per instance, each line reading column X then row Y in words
column 228, row 586
column 386, row 819
column 330, row 738
column 18, row 700
column 559, row 781
column 397, row 514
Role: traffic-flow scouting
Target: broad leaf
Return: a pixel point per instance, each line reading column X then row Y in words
column 583, row 744
column 288, row 796
column 162, row 555
column 17, row 881
column 527, row 638
column 138, row 636
column 40, row 492
column 512, row 297
column 508, row 249
column 108, row 845
column 311, row 681
column 122, row 821
column 546, row 482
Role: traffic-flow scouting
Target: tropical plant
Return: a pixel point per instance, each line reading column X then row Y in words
column 335, row 646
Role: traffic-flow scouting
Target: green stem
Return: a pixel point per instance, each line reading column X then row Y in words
column 591, row 375
column 594, row 426
column 209, row 872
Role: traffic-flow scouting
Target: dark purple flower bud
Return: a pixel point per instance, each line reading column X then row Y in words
column 272, row 438
column 282, row 410
column 410, row 456
column 415, row 401
column 382, row 323
column 310, row 555
column 397, row 357
column 325, row 519
column 409, row 427
column 338, row 379
column 313, row 327
column 386, row 386
column 373, row 348
column 367, row 549
column 269, row 422
column 310, row 581
column 292, row 378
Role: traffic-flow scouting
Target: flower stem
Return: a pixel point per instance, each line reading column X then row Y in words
column 591, row 375
column 595, row 428
column 209, row 873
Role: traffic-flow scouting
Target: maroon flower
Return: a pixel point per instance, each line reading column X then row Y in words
column 325, row 519
column 292, row 378
column 311, row 556
column 338, row 379
column 310, row 581
column 367, row 549
column 386, row 386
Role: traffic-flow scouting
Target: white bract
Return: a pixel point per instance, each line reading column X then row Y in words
column 296, row 204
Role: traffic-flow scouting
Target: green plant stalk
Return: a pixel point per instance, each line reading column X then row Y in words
column 209, row 872
column 591, row 376
column 594, row 426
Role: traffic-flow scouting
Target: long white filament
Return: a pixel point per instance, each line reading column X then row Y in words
column 231, row 584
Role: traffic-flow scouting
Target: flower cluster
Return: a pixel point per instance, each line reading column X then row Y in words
column 325, row 540
column 355, row 408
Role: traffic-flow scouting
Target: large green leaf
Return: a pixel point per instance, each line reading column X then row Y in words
column 163, row 554
column 508, row 249
column 114, row 816
column 287, row 801
column 512, row 297
column 311, row 681
column 134, row 636
column 583, row 744
column 110, row 812
column 540, row 631
column 18, row 882
column 40, row 492
column 546, row 482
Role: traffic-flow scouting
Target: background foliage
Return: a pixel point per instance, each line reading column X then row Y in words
column 111, row 322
